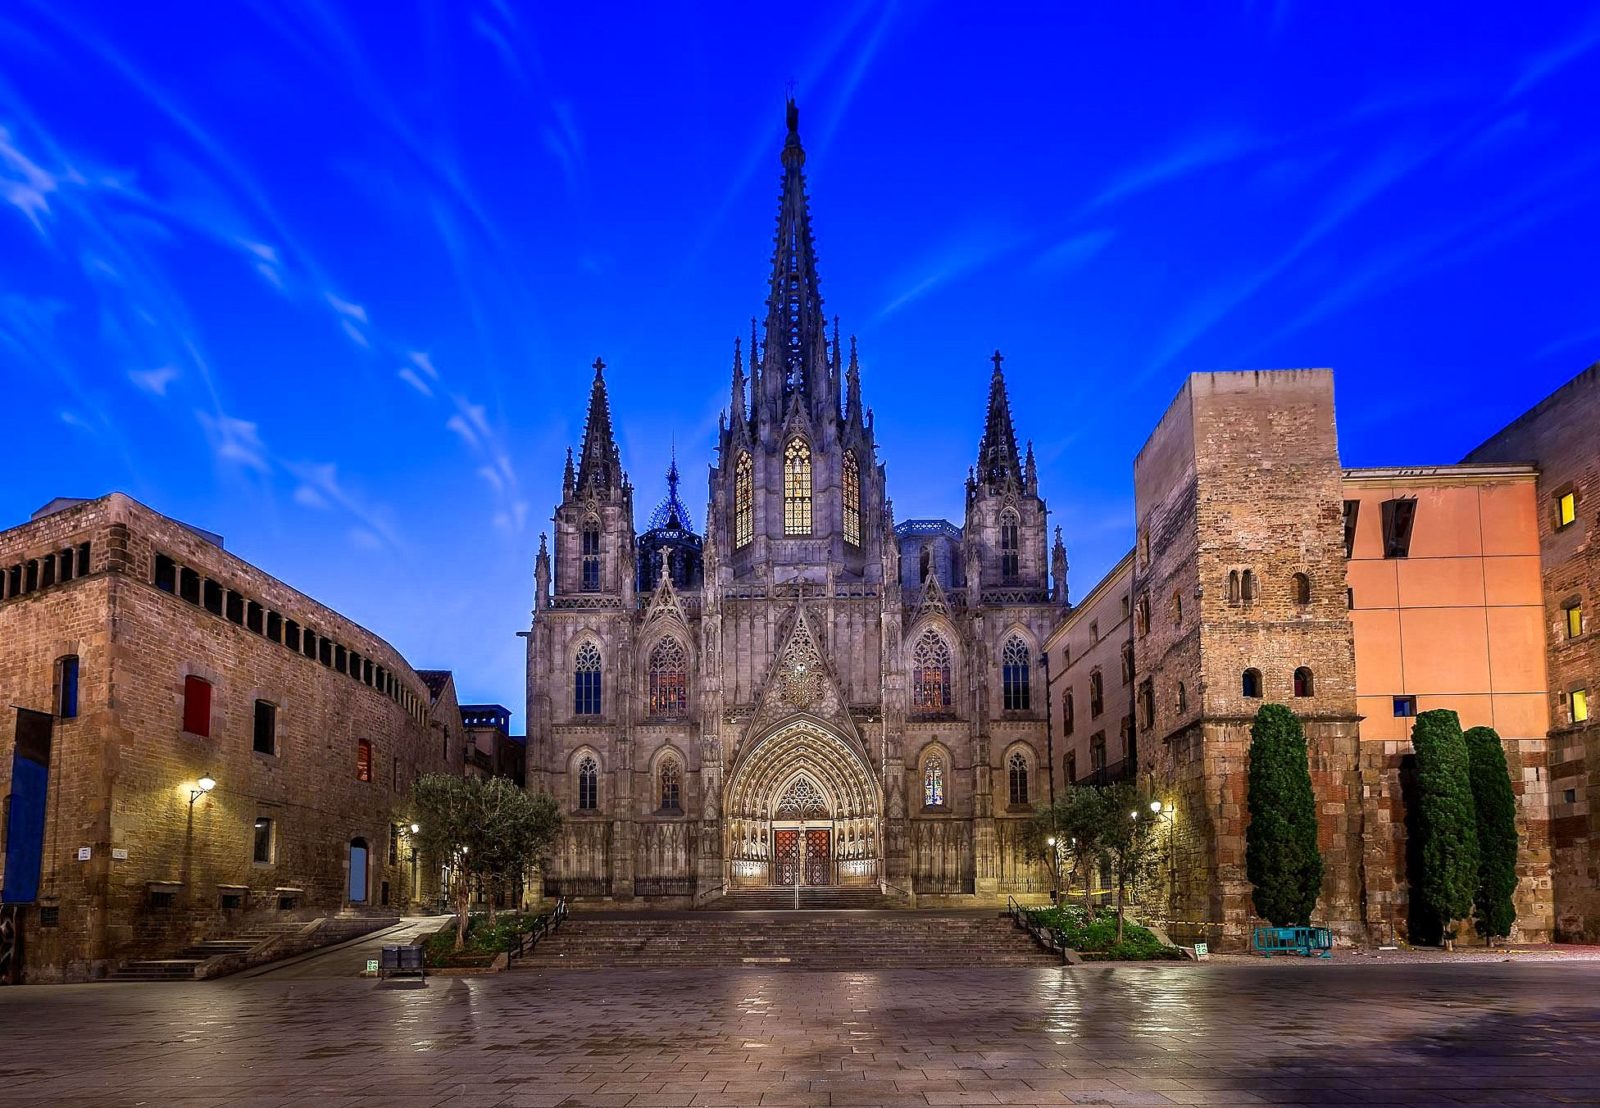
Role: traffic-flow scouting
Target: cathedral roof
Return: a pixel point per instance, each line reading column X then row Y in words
column 670, row 514
column 912, row 527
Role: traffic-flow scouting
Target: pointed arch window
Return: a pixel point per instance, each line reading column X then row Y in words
column 668, row 676
column 586, row 681
column 797, row 488
column 671, row 785
column 933, row 782
column 590, row 556
column 1010, row 546
column 744, row 508
column 930, row 673
column 1017, row 772
column 1014, row 674
column 588, row 784
column 852, row 499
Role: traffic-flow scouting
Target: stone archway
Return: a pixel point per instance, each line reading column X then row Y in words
column 802, row 806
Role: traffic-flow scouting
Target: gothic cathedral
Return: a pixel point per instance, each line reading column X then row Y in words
column 804, row 693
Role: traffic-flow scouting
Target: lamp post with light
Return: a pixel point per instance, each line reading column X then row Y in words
column 201, row 788
column 1165, row 811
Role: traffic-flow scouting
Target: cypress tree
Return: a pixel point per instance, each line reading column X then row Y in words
column 1494, row 910
column 1281, row 856
column 1447, row 820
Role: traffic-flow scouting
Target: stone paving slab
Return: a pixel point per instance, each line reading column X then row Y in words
column 1489, row 1033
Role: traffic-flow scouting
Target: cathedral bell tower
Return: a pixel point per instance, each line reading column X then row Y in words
column 594, row 522
column 1004, row 535
column 797, row 491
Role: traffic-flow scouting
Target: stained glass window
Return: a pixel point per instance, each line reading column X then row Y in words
column 797, row 488
column 591, row 557
column 744, row 509
column 1017, row 766
column 933, row 782
column 1014, row 674
column 930, row 673
column 852, row 499
column 586, row 681
column 588, row 784
column 668, row 679
column 671, row 785
column 1009, row 546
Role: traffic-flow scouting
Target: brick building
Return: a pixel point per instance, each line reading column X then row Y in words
column 146, row 661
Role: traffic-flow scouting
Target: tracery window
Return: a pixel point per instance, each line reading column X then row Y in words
column 744, row 510
column 1014, row 674
column 933, row 782
column 1017, row 771
column 930, row 673
column 671, row 785
column 590, row 561
column 1009, row 546
column 797, row 488
column 852, row 499
column 588, row 784
column 668, row 676
column 586, row 681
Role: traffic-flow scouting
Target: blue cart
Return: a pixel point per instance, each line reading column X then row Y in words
column 1308, row 942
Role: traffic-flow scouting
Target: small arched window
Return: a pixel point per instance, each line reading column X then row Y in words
column 933, row 782
column 851, row 484
column 797, row 488
column 586, row 681
column 1251, row 685
column 1248, row 585
column 1017, row 772
column 1010, row 546
column 1302, row 589
column 744, row 508
column 668, row 679
column 1303, row 683
column 590, row 556
column 671, row 782
column 1183, row 697
column 930, row 673
column 588, row 784
column 1177, row 609
column 1014, row 674
column 1233, row 586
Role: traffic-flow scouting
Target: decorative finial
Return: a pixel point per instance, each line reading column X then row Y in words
column 997, row 359
column 599, row 365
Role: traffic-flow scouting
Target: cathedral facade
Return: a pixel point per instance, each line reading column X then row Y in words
column 801, row 692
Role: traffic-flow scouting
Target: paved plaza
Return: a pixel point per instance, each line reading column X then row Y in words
column 1282, row 1033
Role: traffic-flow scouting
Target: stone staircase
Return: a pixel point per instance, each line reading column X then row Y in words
column 811, row 898
column 182, row 965
column 851, row 940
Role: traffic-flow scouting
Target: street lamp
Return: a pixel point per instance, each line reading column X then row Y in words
column 202, row 786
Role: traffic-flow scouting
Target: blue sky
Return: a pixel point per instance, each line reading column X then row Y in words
column 329, row 279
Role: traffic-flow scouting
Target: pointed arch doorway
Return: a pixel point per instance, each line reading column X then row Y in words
column 802, row 808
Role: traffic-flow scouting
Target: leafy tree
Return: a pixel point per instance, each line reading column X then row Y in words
column 1447, row 820
column 1077, row 823
column 1281, row 855
column 1128, row 841
column 1494, row 910
column 483, row 829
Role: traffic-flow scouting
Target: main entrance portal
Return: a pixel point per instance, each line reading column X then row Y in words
column 802, row 810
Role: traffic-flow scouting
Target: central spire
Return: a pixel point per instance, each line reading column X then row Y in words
column 796, row 339
column 998, row 462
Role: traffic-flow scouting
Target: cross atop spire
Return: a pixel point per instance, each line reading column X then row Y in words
column 599, row 461
column 796, row 338
column 998, row 460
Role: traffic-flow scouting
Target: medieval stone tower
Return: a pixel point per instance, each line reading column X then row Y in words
column 804, row 694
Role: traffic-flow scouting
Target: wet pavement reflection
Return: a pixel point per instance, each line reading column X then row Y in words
column 1173, row 1034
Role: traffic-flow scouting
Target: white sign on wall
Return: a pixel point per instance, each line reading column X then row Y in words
column 84, row 853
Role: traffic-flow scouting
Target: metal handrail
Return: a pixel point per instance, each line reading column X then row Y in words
column 1050, row 938
column 547, row 924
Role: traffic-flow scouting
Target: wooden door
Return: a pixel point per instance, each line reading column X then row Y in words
column 786, row 856
column 819, row 858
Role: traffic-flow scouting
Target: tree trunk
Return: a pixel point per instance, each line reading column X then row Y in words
column 463, row 905
column 1121, row 884
column 1088, row 895
column 490, row 889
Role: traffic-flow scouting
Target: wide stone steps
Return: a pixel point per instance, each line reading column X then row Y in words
column 817, row 898
column 843, row 941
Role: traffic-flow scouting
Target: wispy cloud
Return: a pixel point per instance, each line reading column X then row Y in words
column 1073, row 251
column 966, row 253
column 1193, row 155
column 410, row 378
column 235, row 441
column 154, row 381
column 1556, row 58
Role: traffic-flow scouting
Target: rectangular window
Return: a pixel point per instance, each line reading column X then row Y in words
column 1580, row 705
column 262, row 852
column 266, row 731
column 49, row 915
column 162, row 900
column 232, row 900
column 197, row 706
column 1405, row 706
column 1352, row 511
column 166, row 574
column 49, row 577
column 1574, row 614
column 66, row 563
column 253, row 615
column 325, row 652
column 1398, row 516
column 339, row 658
column 67, row 687
column 235, row 608
column 274, row 627
column 213, row 597
column 189, row 586
column 1097, row 699
column 1566, row 509
column 363, row 760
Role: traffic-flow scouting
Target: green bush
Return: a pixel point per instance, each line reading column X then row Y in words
column 1494, row 910
column 483, row 940
column 1281, row 856
column 1097, row 934
column 1447, row 819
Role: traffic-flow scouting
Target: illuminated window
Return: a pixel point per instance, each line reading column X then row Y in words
column 591, row 556
column 1580, row 705
column 668, row 679
column 1566, row 509
column 852, row 499
column 930, row 673
column 1009, row 546
column 744, row 509
column 1574, row 612
column 671, row 785
column 363, row 760
column 586, row 681
column 588, row 784
column 1014, row 675
column 933, row 783
column 1017, row 771
column 797, row 488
